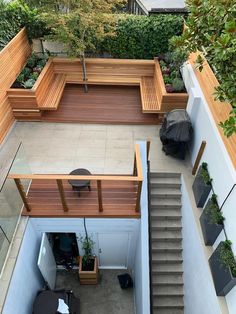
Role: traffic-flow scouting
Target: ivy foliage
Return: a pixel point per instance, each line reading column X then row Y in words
column 142, row 37
column 211, row 29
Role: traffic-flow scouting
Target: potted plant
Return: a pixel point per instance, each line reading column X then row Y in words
column 211, row 221
column 88, row 267
column 223, row 268
column 202, row 185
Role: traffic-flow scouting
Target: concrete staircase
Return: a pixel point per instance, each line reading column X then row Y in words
column 166, row 243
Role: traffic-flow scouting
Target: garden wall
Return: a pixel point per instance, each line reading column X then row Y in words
column 12, row 60
column 220, row 152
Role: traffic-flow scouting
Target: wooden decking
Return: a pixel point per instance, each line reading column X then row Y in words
column 119, row 199
column 102, row 104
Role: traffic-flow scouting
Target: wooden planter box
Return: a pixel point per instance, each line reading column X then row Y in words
column 26, row 102
column 88, row 277
column 167, row 101
column 222, row 276
column 210, row 230
column 201, row 190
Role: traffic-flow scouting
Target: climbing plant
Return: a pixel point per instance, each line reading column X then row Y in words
column 211, row 29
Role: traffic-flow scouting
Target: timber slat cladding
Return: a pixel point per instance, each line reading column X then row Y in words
column 220, row 111
column 148, row 95
column 12, row 59
column 118, row 198
column 102, row 104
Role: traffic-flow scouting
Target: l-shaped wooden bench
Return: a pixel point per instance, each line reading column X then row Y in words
column 48, row 89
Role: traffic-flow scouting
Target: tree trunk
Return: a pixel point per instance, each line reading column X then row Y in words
column 84, row 73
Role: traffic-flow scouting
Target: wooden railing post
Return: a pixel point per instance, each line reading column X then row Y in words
column 199, row 156
column 99, row 187
column 22, row 194
column 62, row 195
column 137, row 207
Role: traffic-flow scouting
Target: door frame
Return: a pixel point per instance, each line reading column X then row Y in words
column 127, row 253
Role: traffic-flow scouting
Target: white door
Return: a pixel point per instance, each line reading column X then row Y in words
column 46, row 262
column 113, row 250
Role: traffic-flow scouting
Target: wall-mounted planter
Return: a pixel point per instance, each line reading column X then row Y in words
column 201, row 190
column 210, row 230
column 222, row 276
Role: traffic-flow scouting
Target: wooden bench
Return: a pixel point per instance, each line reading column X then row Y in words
column 54, row 92
column 103, row 80
column 149, row 98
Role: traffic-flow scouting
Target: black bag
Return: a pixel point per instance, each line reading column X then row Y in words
column 125, row 281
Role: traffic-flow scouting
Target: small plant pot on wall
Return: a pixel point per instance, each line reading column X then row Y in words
column 88, row 275
column 223, row 268
column 211, row 221
column 202, row 185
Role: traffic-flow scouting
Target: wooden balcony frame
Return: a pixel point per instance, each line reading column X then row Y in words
column 136, row 177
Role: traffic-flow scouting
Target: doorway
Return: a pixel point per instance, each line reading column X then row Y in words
column 113, row 250
column 65, row 249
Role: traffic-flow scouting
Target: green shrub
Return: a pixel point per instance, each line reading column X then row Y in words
column 213, row 211
column 29, row 83
column 142, row 37
column 227, row 257
column 178, row 84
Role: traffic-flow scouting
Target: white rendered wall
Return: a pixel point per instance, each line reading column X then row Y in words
column 26, row 279
column 199, row 291
column 94, row 226
column 219, row 164
column 141, row 270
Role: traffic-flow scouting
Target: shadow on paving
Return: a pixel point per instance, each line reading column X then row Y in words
column 106, row 297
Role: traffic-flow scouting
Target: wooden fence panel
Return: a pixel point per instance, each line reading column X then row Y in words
column 12, row 59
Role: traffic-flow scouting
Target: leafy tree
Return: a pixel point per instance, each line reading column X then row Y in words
column 211, row 29
column 79, row 24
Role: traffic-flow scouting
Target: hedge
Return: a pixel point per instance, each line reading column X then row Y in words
column 142, row 37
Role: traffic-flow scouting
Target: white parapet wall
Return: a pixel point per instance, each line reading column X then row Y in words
column 215, row 155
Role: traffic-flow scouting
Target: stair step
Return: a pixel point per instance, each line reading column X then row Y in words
column 166, row 213
column 168, row 311
column 167, row 279
column 168, row 290
column 167, row 235
column 167, row 224
column 168, row 302
column 165, row 175
column 165, row 192
column 166, row 246
column 166, row 202
column 167, row 257
column 167, row 184
column 174, row 268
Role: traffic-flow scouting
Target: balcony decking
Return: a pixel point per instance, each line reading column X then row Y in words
column 119, row 200
column 102, row 104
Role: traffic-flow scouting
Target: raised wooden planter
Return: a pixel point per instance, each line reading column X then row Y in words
column 26, row 103
column 167, row 101
column 88, row 277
